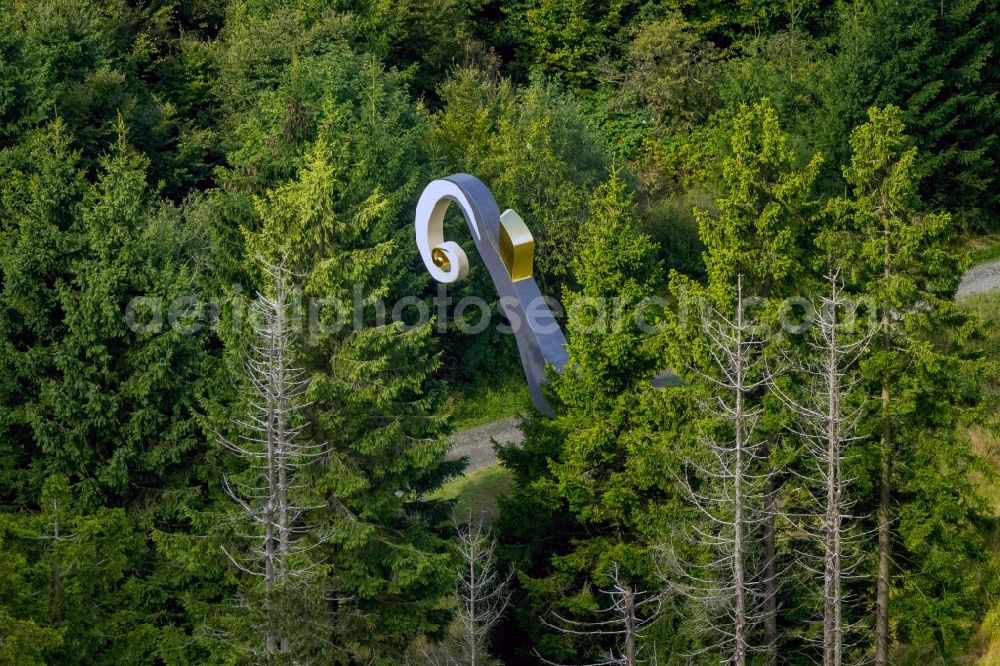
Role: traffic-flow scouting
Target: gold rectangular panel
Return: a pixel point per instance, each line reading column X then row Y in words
column 517, row 246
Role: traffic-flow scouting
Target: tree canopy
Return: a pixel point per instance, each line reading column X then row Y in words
column 698, row 179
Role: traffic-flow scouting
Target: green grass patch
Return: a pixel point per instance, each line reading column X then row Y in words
column 491, row 400
column 987, row 306
column 981, row 248
column 477, row 493
column 985, row 434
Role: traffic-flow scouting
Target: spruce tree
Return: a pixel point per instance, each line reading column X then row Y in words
column 374, row 408
column 593, row 484
column 23, row 618
column 933, row 60
column 86, row 396
column 322, row 181
column 766, row 209
column 110, row 406
column 760, row 238
column 80, row 564
column 928, row 516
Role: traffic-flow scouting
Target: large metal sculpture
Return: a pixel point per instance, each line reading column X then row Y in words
column 507, row 248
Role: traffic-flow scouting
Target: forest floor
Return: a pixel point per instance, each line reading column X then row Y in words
column 485, row 415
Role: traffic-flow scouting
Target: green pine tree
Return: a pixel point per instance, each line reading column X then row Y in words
column 594, row 487
column 373, row 405
column 760, row 240
column 85, row 396
column 766, row 210
column 932, row 564
column 933, row 60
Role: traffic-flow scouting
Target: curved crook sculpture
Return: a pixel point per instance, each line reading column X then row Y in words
column 507, row 248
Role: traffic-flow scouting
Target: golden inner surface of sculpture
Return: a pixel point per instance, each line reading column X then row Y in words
column 517, row 246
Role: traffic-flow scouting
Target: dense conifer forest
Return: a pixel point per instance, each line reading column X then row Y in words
column 229, row 387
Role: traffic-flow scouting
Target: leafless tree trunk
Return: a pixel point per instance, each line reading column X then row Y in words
column 884, row 536
column 270, row 441
column 827, row 429
column 55, row 605
column 483, row 593
column 627, row 617
column 770, row 558
column 630, row 626
column 885, row 487
column 731, row 487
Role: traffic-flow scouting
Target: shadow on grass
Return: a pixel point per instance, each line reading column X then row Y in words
column 476, row 495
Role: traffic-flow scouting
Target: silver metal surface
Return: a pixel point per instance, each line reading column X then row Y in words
column 540, row 340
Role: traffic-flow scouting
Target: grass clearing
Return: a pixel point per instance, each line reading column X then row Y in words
column 981, row 248
column 485, row 402
column 987, row 306
column 986, row 444
column 478, row 493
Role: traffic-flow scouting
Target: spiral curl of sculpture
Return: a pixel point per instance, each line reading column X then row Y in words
column 506, row 246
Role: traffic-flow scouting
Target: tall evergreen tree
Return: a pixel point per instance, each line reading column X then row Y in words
column 374, row 407
column 91, row 398
column 766, row 209
column 593, row 484
column 323, row 181
column 86, row 396
column 80, row 564
column 930, row 565
column 761, row 238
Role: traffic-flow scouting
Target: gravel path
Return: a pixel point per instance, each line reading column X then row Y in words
column 980, row 279
column 477, row 443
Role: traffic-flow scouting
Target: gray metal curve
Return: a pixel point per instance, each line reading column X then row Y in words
column 540, row 340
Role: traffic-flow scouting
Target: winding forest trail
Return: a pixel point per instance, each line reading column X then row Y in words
column 477, row 443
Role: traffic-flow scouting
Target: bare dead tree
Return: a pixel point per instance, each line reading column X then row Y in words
column 825, row 426
column 57, row 537
column 270, row 440
column 729, row 486
column 629, row 612
column 56, row 601
column 483, row 593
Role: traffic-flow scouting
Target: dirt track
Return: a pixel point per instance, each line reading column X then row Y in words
column 980, row 279
column 477, row 443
